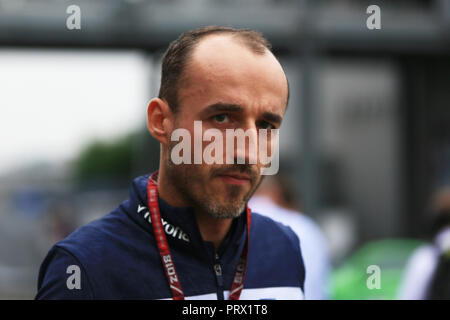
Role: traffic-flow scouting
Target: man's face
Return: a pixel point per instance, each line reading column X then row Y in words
column 225, row 86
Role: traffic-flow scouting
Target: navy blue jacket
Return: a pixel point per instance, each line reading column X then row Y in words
column 116, row 257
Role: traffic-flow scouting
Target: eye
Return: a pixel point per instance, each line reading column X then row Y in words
column 265, row 125
column 221, row 118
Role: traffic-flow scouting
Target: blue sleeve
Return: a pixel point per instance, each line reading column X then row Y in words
column 295, row 241
column 62, row 277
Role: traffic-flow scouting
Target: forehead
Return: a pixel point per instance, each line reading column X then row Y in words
column 222, row 68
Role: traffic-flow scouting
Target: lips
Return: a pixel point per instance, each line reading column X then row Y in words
column 235, row 178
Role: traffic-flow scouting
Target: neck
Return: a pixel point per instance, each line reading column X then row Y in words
column 168, row 192
column 211, row 229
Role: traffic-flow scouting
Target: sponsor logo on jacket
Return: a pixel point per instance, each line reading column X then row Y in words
column 169, row 229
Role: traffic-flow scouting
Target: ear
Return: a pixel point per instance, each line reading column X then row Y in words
column 159, row 120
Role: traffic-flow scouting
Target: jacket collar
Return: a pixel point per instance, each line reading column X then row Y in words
column 180, row 223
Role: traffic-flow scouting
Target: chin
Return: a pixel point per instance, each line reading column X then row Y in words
column 226, row 212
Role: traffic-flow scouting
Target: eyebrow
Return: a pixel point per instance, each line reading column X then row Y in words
column 222, row 107
column 229, row 107
column 272, row 117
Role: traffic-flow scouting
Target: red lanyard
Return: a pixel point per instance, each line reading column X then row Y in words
column 166, row 257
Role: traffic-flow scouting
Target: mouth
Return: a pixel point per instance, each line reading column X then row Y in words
column 235, row 178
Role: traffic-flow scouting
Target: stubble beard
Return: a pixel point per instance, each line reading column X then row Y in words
column 187, row 180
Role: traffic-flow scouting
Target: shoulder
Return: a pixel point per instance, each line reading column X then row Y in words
column 71, row 255
column 279, row 233
column 305, row 227
column 275, row 257
column 271, row 240
column 62, row 276
column 311, row 236
column 97, row 237
column 93, row 249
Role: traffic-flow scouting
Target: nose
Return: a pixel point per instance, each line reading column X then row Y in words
column 243, row 144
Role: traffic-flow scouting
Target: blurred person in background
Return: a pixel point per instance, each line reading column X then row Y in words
column 427, row 275
column 275, row 199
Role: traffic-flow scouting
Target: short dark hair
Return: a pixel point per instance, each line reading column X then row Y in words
column 179, row 50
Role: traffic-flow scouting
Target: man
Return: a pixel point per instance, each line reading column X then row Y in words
column 275, row 199
column 185, row 231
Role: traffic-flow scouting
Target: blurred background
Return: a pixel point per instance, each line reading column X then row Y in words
column 366, row 139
